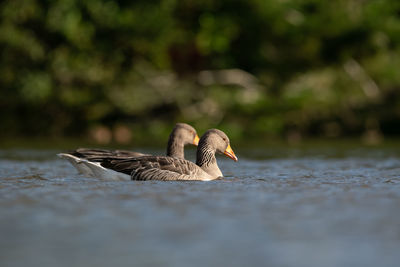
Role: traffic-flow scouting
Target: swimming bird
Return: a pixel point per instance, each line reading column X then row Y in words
column 168, row 168
column 182, row 134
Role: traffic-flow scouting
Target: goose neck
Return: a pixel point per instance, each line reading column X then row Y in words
column 205, row 155
column 175, row 148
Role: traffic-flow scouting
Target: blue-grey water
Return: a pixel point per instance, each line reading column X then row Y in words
column 280, row 207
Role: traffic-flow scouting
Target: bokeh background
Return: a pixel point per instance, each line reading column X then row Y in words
column 126, row 71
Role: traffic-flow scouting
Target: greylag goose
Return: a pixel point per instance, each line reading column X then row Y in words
column 182, row 134
column 169, row 168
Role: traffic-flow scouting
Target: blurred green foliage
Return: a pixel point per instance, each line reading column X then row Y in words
column 256, row 68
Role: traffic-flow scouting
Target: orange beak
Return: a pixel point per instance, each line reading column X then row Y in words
column 229, row 152
column 196, row 140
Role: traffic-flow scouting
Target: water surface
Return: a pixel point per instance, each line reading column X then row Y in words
column 275, row 207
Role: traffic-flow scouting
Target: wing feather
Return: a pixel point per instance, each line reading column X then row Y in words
column 155, row 168
column 98, row 154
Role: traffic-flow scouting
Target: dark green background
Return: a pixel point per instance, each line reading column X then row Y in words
column 294, row 69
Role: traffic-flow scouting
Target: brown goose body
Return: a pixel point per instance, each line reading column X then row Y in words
column 157, row 168
column 172, row 169
column 181, row 135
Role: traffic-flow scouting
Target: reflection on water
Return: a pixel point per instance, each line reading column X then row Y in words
column 274, row 208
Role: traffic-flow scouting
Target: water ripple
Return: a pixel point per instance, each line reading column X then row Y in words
column 291, row 210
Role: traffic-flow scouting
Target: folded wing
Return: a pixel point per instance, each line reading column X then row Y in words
column 155, row 168
column 98, row 154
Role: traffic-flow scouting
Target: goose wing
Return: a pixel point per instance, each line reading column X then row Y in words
column 156, row 168
column 98, row 154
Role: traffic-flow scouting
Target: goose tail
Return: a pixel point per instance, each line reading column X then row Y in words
column 78, row 163
column 94, row 169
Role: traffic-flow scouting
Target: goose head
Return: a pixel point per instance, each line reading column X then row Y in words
column 219, row 142
column 186, row 133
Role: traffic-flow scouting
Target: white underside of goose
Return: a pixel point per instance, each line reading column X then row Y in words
column 94, row 169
